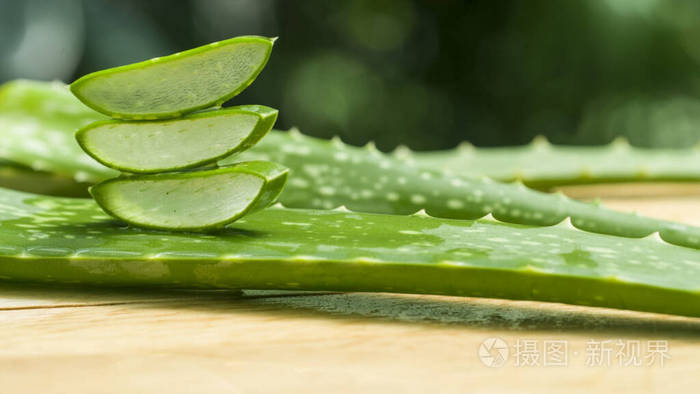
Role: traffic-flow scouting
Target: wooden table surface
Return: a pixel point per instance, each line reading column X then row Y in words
column 114, row 341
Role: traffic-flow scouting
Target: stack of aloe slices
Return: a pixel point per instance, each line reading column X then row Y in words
column 166, row 138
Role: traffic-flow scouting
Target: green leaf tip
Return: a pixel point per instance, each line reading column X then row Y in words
column 192, row 141
column 167, row 87
column 64, row 240
column 192, row 201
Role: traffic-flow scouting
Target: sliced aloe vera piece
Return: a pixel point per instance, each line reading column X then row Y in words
column 67, row 240
column 170, row 86
column 191, row 201
column 175, row 144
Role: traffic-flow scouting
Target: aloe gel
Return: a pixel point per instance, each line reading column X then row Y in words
column 191, row 201
column 170, row 86
column 175, row 144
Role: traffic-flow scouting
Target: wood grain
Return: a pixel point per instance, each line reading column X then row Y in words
column 62, row 339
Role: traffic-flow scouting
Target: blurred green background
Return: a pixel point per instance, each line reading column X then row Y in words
column 427, row 74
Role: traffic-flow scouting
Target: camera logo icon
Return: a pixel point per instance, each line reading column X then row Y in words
column 493, row 352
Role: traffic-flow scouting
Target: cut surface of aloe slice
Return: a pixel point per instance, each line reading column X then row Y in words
column 174, row 144
column 191, row 201
column 170, row 86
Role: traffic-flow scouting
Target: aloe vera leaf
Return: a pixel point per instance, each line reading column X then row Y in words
column 191, row 201
column 542, row 165
column 329, row 174
column 37, row 122
column 67, row 240
column 538, row 165
column 175, row 144
column 167, row 87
